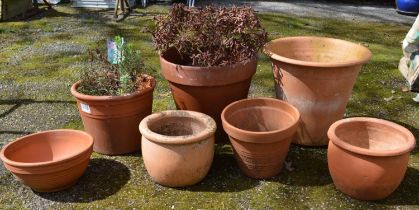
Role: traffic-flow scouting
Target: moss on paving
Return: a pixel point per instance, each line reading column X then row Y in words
column 35, row 71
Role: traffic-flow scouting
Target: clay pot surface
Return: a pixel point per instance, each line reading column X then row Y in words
column 260, row 131
column 113, row 120
column 177, row 147
column 316, row 75
column 49, row 161
column 207, row 89
column 368, row 157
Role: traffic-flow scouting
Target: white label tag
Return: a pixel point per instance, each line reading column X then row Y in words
column 85, row 108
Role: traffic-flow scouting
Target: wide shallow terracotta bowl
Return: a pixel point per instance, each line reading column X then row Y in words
column 49, row 161
column 177, row 146
column 368, row 157
column 260, row 131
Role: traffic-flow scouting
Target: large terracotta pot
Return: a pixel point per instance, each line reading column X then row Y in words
column 207, row 89
column 49, row 161
column 316, row 75
column 368, row 157
column 260, row 132
column 113, row 120
column 177, row 146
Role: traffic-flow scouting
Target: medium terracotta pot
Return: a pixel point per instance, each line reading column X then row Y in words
column 49, row 161
column 316, row 75
column 260, row 131
column 207, row 89
column 113, row 120
column 368, row 157
column 177, row 147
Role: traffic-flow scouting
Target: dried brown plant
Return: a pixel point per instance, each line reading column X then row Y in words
column 210, row 36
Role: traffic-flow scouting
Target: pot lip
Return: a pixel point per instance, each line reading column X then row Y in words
column 46, row 163
column 208, row 131
column 274, row 56
column 409, row 146
column 133, row 95
column 206, row 68
column 255, row 133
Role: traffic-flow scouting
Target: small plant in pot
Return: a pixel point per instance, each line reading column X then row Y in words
column 113, row 99
column 208, row 55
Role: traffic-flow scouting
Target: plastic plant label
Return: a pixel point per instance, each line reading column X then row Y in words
column 114, row 51
column 85, row 107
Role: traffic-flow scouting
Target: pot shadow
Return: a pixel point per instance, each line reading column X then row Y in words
column 224, row 175
column 305, row 166
column 408, row 191
column 102, row 178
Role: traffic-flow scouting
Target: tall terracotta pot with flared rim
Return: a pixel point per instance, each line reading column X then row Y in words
column 260, row 131
column 49, row 161
column 207, row 89
column 316, row 75
column 177, row 146
column 368, row 157
column 113, row 120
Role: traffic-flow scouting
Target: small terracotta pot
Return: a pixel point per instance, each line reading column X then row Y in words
column 316, row 75
column 207, row 89
column 368, row 157
column 260, row 131
column 113, row 120
column 49, row 161
column 177, row 147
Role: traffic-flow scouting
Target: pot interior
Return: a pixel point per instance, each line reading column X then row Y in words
column 48, row 146
column 373, row 136
column 318, row 50
column 260, row 115
column 176, row 126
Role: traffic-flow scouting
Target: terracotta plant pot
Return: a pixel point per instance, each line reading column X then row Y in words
column 49, row 161
column 260, row 132
column 207, row 89
column 316, row 75
column 177, row 147
column 368, row 157
column 113, row 120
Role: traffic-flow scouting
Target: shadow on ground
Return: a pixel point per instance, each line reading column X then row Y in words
column 408, row 191
column 225, row 175
column 307, row 166
column 102, row 179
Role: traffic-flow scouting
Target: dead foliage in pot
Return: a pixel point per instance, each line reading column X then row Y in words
column 128, row 75
column 210, row 36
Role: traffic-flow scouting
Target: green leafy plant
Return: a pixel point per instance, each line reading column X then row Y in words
column 210, row 36
column 101, row 78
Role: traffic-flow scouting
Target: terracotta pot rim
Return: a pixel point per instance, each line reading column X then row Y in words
column 409, row 146
column 46, row 163
column 185, row 139
column 254, row 133
column 207, row 68
column 133, row 95
column 353, row 62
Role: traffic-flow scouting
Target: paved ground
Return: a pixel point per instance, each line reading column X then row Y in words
column 357, row 12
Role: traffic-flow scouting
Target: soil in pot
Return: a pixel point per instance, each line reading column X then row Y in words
column 260, row 131
column 206, row 89
column 113, row 120
column 368, row 157
column 177, row 147
column 49, row 161
column 316, row 75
